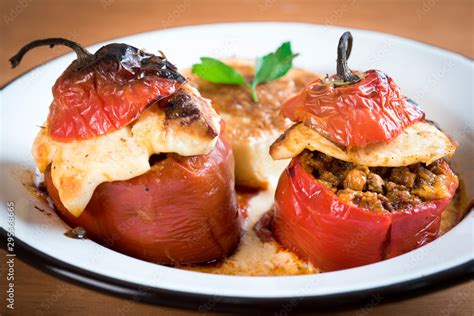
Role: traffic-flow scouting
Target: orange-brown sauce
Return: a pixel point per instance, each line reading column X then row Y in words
column 244, row 194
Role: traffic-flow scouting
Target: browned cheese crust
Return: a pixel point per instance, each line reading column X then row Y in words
column 252, row 126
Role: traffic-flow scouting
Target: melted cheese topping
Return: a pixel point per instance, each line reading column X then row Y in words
column 77, row 168
column 420, row 142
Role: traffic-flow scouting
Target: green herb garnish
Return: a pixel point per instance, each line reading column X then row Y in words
column 216, row 71
column 267, row 68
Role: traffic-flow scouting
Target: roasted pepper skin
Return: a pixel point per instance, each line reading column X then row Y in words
column 352, row 116
column 184, row 210
column 113, row 88
column 310, row 220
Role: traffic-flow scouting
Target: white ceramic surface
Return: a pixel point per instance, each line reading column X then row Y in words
column 440, row 81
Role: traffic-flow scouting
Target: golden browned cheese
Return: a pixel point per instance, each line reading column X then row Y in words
column 420, row 142
column 251, row 127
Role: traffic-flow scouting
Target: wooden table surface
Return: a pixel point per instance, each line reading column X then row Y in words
column 443, row 23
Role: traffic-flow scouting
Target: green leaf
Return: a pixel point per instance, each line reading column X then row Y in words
column 216, row 71
column 267, row 68
column 273, row 66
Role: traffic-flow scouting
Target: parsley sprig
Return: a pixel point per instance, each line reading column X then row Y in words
column 267, row 68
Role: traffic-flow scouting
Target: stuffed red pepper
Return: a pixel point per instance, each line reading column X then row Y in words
column 368, row 179
column 133, row 154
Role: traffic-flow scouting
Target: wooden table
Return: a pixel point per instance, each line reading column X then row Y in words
column 442, row 23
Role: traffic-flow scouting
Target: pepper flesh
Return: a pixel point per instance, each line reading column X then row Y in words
column 370, row 111
column 312, row 221
column 184, row 210
column 109, row 92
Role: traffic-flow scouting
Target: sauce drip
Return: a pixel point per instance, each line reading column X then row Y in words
column 76, row 233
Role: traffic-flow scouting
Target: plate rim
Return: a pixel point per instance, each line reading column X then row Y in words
column 161, row 296
column 192, row 301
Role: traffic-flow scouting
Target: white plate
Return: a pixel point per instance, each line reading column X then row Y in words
column 440, row 81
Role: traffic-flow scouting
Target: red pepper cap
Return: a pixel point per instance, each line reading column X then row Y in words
column 353, row 110
column 100, row 93
column 370, row 111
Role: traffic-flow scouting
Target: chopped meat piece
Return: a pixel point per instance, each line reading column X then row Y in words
column 385, row 202
column 367, row 200
column 329, row 177
column 425, row 176
column 392, row 186
column 403, row 176
column 324, row 158
column 356, row 179
column 346, row 195
column 402, row 199
column 315, row 164
column 437, row 190
column 438, row 170
column 375, row 183
column 378, row 188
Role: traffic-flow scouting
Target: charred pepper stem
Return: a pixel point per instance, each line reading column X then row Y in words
column 83, row 56
column 343, row 52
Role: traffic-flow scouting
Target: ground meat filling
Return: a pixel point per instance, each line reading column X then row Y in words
column 379, row 188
